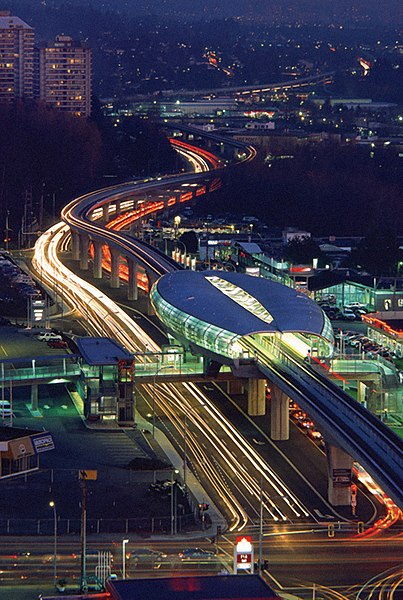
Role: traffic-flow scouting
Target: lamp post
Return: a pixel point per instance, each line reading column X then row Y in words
column 53, row 505
column 177, row 222
column 184, row 248
column 173, row 503
column 124, row 542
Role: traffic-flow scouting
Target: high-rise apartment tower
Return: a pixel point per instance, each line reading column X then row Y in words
column 65, row 75
column 16, row 58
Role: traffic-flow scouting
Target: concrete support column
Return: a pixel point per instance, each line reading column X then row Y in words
column 150, row 309
column 97, row 267
column 361, row 393
column 256, row 397
column 117, row 207
column 105, row 212
column 84, row 255
column 371, row 397
column 235, row 387
column 279, row 416
column 132, row 289
column 34, row 397
column 339, row 466
column 75, row 245
column 115, row 264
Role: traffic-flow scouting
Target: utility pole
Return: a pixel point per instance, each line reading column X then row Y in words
column 261, row 526
column 83, row 533
column 84, row 475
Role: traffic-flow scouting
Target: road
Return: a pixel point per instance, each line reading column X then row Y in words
column 233, row 472
column 295, row 561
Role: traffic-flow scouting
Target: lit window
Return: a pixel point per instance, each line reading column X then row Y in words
column 242, row 298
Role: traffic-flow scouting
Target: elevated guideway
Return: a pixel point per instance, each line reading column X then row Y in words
column 343, row 421
column 299, row 82
column 88, row 215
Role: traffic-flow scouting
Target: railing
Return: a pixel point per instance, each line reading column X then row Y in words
column 363, row 435
column 66, row 366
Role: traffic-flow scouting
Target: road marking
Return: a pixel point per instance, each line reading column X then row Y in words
column 4, row 350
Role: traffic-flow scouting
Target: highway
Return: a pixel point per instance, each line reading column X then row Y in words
column 381, row 455
column 239, row 494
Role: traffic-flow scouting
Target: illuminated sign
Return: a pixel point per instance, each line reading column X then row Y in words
column 243, row 554
column 42, row 443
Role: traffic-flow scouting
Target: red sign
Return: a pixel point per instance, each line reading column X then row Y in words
column 241, row 538
column 244, row 559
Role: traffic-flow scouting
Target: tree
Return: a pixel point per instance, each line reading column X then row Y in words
column 302, row 251
column 189, row 238
column 378, row 252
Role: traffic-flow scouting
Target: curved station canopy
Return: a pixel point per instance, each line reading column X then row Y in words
column 214, row 310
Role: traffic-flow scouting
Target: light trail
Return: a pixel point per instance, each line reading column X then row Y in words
column 105, row 318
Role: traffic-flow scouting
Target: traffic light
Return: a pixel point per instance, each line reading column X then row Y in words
column 204, row 506
column 360, row 527
column 330, row 530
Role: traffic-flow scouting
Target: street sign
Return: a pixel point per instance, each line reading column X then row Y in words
column 88, row 474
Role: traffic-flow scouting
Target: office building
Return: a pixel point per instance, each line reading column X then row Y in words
column 16, row 58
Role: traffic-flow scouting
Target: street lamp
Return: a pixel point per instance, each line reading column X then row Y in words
column 124, row 542
column 173, row 503
column 185, row 249
column 53, row 505
column 177, row 222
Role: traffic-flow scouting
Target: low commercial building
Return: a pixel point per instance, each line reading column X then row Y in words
column 198, row 588
column 20, row 450
column 386, row 329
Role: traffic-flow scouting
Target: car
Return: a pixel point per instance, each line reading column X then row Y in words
column 306, row 424
column 196, row 554
column 314, row 434
column 354, row 305
column 48, row 335
column 358, row 340
column 347, row 315
column 145, row 557
column 57, row 344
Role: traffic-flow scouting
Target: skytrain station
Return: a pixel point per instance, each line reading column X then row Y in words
column 214, row 312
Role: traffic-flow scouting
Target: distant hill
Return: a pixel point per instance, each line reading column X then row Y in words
column 360, row 11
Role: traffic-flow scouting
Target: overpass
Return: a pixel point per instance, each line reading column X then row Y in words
column 243, row 90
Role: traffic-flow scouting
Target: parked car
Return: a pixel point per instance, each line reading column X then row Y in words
column 57, row 344
column 347, row 315
column 48, row 335
column 353, row 305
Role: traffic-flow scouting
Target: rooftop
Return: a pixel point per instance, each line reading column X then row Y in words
column 209, row 587
column 101, row 351
column 240, row 303
column 14, row 433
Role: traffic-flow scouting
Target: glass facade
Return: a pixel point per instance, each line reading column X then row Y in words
column 201, row 333
column 218, row 340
